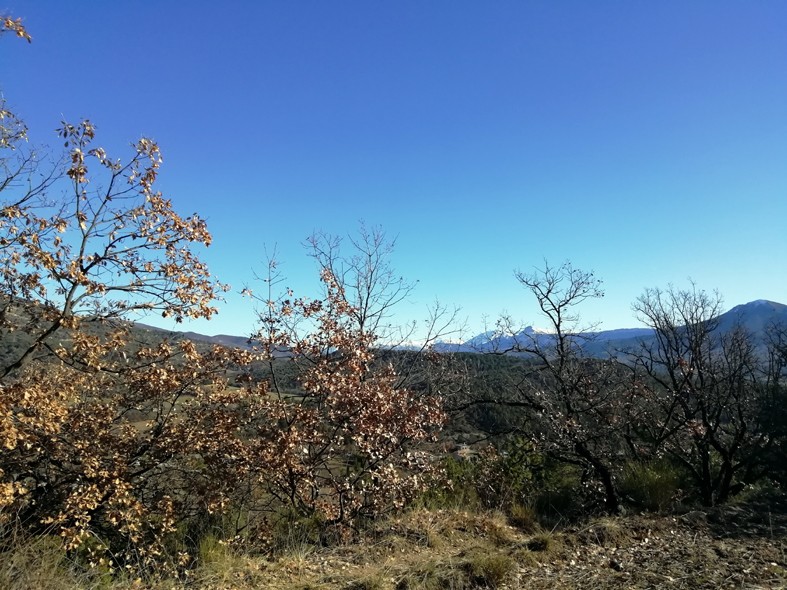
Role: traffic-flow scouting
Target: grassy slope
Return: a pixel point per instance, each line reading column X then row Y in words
column 742, row 546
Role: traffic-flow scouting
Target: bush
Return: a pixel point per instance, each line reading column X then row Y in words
column 455, row 486
column 560, row 497
column 491, row 479
column 489, row 570
column 652, row 486
column 524, row 517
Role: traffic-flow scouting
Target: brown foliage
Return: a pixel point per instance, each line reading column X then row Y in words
column 98, row 439
column 116, row 446
column 347, row 430
column 112, row 246
column 14, row 25
column 125, row 446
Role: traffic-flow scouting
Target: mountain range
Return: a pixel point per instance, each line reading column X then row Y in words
column 754, row 316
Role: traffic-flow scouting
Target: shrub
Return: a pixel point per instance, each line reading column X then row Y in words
column 454, row 486
column 511, row 475
column 652, row 486
column 342, row 446
column 489, row 570
column 561, row 495
column 524, row 517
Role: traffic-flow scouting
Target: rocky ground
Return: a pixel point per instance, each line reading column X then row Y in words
column 743, row 545
column 724, row 548
column 740, row 546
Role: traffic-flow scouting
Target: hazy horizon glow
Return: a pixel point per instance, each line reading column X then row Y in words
column 644, row 141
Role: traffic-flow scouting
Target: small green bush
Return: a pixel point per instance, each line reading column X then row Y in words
column 512, row 474
column 294, row 533
column 560, row 496
column 651, row 486
column 456, row 489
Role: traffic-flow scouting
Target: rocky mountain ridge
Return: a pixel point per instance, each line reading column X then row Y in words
column 755, row 317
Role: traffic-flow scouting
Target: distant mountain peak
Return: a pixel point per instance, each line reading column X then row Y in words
column 758, row 305
column 761, row 303
column 755, row 316
column 535, row 330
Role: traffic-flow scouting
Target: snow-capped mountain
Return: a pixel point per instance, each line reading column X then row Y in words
column 755, row 317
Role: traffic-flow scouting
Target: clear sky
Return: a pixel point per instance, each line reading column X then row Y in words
column 646, row 141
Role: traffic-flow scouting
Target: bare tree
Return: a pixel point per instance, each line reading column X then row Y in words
column 705, row 393
column 372, row 288
column 577, row 404
column 774, row 404
column 370, row 283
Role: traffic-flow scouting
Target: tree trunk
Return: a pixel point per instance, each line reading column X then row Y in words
column 725, row 483
column 611, row 498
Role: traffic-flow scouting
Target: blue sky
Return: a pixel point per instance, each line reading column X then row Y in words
column 646, row 141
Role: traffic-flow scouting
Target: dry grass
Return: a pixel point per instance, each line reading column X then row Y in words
column 459, row 550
